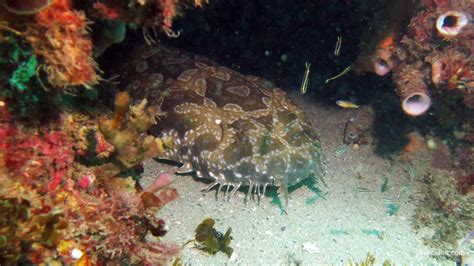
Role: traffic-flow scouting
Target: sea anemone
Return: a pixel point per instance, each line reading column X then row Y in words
column 450, row 23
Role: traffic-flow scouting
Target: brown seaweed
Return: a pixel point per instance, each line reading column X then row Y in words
column 210, row 240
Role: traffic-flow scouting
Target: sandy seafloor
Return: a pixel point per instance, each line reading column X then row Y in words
column 344, row 226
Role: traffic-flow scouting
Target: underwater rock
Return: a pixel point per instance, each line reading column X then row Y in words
column 233, row 129
column 358, row 129
column 25, row 7
column 439, row 33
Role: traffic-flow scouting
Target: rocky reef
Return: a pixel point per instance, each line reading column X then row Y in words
column 69, row 189
column 59, row 206
column 70, row 160
column 432, row 56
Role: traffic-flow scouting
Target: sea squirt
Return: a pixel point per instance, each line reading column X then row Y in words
column 234, row 129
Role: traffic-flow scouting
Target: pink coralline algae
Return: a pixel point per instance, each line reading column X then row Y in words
column 38, row 156
column 85, row 181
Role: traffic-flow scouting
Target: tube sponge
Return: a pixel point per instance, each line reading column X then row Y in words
column 413, row 90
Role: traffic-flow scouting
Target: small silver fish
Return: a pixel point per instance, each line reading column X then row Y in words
column 337, row 48
column 347, row 104
column 345, row 71
column 304, row 84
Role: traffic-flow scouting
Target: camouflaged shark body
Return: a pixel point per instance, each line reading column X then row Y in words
column 234, row 129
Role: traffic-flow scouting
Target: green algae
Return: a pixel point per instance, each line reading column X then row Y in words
column 18, row 66
column 23, row 74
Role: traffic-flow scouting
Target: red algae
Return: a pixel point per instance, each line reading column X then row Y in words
column 71, row 212
column 60, row 36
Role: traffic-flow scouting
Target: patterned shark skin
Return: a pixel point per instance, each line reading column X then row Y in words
column 234, row 129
